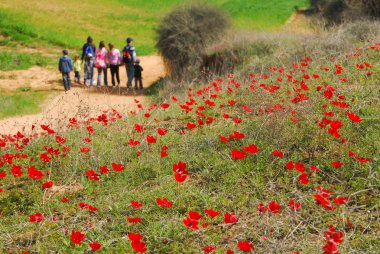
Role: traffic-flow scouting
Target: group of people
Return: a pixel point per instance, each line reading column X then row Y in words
column 101, row 59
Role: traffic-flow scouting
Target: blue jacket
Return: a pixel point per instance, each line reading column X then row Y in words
column 65, row 64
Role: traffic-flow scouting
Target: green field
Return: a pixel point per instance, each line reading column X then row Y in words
column 21, row 102
column 67, row 24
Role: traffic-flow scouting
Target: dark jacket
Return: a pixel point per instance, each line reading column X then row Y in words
column 138, row 70
column 65, row 64
column 84, row 49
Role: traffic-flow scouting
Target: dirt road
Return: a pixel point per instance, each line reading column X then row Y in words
column 79, row 101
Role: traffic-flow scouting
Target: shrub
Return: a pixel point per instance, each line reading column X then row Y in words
column 184, row 35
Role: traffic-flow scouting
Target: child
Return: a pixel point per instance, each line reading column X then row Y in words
column 77, row 68
column 65, row 66
column 89, row 70
column 138, row 76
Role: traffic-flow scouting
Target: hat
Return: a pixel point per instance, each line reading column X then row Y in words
column 89, row 55
column 65, row 52
column 129, row 39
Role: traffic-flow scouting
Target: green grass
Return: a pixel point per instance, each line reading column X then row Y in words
column 215, row 180
column 13, row 60
column 68, row 24
column 21, row 102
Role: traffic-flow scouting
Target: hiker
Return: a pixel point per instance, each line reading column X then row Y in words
column 89, row 70
column 77, row 68
column 65, row 67
column 129, row 57
column 138, row 75
column 88, row 49
column 100, row 63
column 114, row 60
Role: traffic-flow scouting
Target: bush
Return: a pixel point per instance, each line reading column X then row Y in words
column 184, row 35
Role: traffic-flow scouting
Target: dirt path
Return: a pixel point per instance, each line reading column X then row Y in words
column 79, row 102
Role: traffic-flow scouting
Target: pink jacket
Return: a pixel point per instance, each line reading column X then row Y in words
column 101, row 58
column 114, row 57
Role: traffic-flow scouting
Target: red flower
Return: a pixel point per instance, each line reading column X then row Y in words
column 274, row 207
column 336, row 164
column 251, row 149
column 237, row 155
column 138, row 246
column 34, row 173
column 64, row 200
column 60, row 140
column 194, row 215
column 209, row 248
column 180, row 177
column 135, row 204
column 180, row 167
column 237, row 135
column 340, row 200
column 223, row 138
column 37, row 217
column 134, row 220
column 294, row 205
column 47, row 185
column 278, row 153
column 92, row 176
column 133, row 142
column 191, row 125
column 139, row 128
column 261, row 208
column 289, row 165
column 84, row 150
column 230, row 218
column 104, row 169
column 189, row 223
column 354, row 118
column 3, row 174
column 90, row 129
column 245, row 246
column 303, row 178
column 300, row 167
column 164, row 202
column 95, row 246
column 77, row 237
column 134, row 237
column 151, row 139
column 117, row 167
column 162, row 131
column 164, row 105
column 212, row 213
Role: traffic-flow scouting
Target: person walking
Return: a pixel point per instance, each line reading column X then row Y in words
column 114, row 60
column 77, row 68
column 138, row 74
column 129, row 58
column 87, row 50
column 100, row 63
column 65, row 66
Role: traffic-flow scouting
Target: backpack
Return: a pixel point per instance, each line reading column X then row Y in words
column 89, row 50
column 99, row 60
column 127, row 54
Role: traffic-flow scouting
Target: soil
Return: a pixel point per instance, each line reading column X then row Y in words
column 80, row 102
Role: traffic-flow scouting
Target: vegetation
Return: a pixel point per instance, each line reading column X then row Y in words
column 13, row 60
column 50, row 22
column 281, row 153
column 185, row 34
column 21, row 102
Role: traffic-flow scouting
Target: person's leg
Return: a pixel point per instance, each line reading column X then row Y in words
column 105, row 76
column 136, row 81
column 127, row 69
column 99, row 76
column 141, row 85
column 68, row 81
column 91, row 74
column 64, row 79
column 131, row 73
column 78, row 77
column 117, row 75
column 113, row 71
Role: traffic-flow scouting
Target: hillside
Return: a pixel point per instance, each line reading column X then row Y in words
column 282, row 160
column 67, row 24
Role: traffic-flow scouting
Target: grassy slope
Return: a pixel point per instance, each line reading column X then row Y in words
column 21, row 103
column 68, row 24
column 215, row 180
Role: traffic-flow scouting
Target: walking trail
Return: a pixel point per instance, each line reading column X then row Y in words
column 80, row 101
